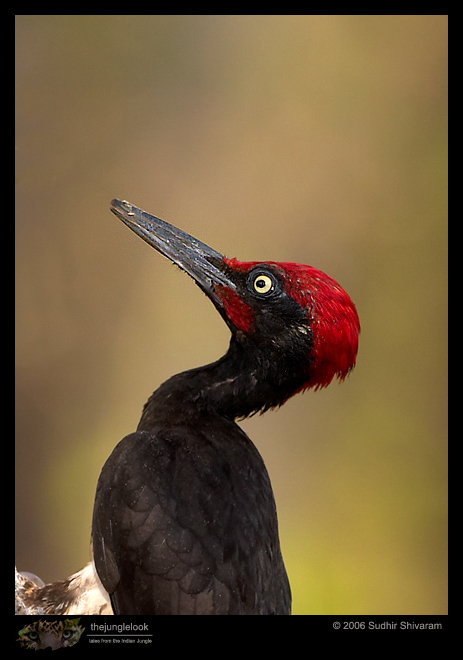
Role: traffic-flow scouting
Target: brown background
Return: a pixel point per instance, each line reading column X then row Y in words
column 317, row 139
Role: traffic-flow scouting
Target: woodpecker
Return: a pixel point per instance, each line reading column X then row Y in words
column 185, row 519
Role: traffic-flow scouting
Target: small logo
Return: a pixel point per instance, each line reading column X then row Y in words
column 44, row 634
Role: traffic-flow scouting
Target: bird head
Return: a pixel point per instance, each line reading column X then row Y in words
column 284, row 309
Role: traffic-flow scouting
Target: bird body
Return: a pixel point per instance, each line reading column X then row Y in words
column 183, row 525
column 185, row 520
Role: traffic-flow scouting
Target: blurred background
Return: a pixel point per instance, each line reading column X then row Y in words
column 315, row 139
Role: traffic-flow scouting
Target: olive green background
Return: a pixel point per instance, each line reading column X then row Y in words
column 315, row 139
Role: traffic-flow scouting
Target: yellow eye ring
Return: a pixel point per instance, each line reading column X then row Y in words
column 263, row 284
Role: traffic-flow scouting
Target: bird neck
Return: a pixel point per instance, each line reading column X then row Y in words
column 244, row 381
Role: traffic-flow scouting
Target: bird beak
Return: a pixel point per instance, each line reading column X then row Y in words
column 202, row 263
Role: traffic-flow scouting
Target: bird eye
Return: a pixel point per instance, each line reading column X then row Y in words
column 263, row 284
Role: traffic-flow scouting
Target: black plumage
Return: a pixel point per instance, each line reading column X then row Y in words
column 185, row 519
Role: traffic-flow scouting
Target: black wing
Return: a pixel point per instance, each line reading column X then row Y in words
column 178, row 527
